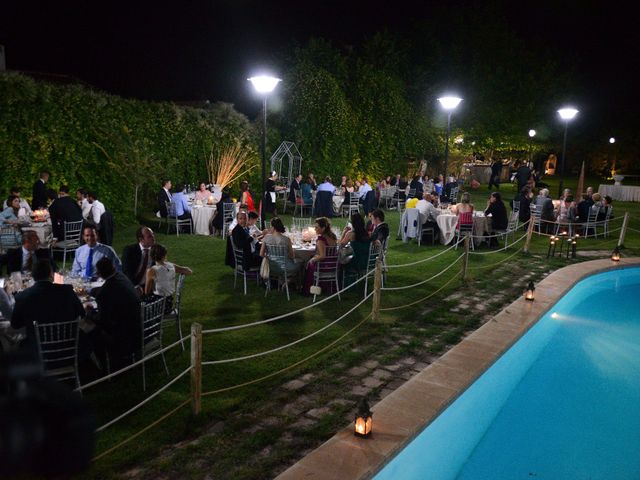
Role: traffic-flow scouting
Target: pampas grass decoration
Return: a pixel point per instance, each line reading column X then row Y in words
column 229, row 164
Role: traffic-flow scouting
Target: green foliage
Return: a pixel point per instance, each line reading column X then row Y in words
column 106, row 143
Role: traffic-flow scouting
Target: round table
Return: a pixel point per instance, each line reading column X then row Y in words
column 202, row 215
column 447, row 225
column 43, row 229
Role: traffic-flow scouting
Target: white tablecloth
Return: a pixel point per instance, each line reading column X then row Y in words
column 43, row 229
column 447, row 224
column 201, row 217
column 624, row 193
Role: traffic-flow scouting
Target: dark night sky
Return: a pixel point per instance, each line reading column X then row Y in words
column 193, row 50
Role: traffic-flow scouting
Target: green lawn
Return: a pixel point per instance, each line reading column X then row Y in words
column 209, row 298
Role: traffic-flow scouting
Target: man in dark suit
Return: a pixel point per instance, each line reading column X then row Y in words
column 118, row 319
column 242, row 240
column 39, row 194
column 164, row 195
column 136, row 260
column 44, row 302
column 22, row 259
column 295, row 185
column 63, row 209
column 417, row 186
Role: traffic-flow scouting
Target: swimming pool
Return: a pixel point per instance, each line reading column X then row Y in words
column 561, row 403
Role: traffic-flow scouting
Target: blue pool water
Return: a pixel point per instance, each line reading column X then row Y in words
column 562, row 403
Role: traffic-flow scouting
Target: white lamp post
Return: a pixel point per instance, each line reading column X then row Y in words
column 566, row 114
column 449, row 103
column 532, row 133
column 264, row 85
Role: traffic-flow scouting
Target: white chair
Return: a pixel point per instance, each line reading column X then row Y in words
column 174, row 315
column 399, row 201
column 173, row 220
column 607, row 217
column 592, row 223
column 453, row 194
column 277, row 255
column 9, row 238
column 412, row 193
column 465, row 227
column 71, row 242
column 516, row 206
column 301, row 205
column 512, row 226
column 238, row 257
column 352, row 206
column 431, row 230
column 375, row 250
column 386, row 196
column 228, row 209
column 58, row 349
column 536, row 215
column 287, row 202
column 151, row 322
column 301, row 223
column 327, row 269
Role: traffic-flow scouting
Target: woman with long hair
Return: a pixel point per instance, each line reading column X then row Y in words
column 326, row 238
column 245, row 196
column 161, row 277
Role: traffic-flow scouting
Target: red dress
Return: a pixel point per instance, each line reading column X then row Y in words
column 249, row 202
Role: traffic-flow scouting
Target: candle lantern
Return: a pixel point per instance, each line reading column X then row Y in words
column 528, row 294
column 551, row 252
column 615, row 255
column 574, row 246
column 364, row 420
column 210, row 200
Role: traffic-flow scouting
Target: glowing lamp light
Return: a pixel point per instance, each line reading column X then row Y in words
column 532, row 133
column 210, row 200
column 363, row 424
column 528, row 294
column 567, row 113
column 615, row 255
column 264, row 83
column 449, row 103
column 612, row 140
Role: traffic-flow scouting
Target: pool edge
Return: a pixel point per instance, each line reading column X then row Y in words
column 430, row 391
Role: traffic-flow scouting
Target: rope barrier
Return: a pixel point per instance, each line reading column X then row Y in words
column 388, row 309
column 145, row 401
column 426, row 280
column 499, row 250
column 273, row 374
column 140, row 432
column 285, row 315
column 128, row 367
column 261, row 354
column 411, row 264
column 498, row 262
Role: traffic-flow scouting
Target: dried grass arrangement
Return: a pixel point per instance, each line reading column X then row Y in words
column 229, row 164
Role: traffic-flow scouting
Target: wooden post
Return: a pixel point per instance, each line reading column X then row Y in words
column 623, row 230
column 529, row 234
column 377, row 290
column 196, row 367
column 465, row 259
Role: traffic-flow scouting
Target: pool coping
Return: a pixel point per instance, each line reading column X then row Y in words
column 403, row 414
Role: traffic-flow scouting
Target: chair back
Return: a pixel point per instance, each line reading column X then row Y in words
column 73, row 232
column 465, row 219
column 106, row 228
column 453, row 194
column 375, row 250
column 171, row 209
column 58, row 349
column 238, row 256
column 328, row 267
column 607, row 215
column 178, row 294
column 301, row 223
column 592, row 217
column 513, row 222
column 151, row 320
column 8, row 238
column 277, row 255
column 516, row 206
column 354, row 201
column 412, row 193
column 536, row 212
column 324, row 204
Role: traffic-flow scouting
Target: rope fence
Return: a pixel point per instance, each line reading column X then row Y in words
column 427, row 279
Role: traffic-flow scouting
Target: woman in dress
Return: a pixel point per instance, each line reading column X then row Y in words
column 245, row 196
column 326, row 238
column 355, row 234
column 312, row 181
column 9, row 215
column 161, row 277
column 498, row 212
column 276, row 238
column 203, row 194
column 464, row 210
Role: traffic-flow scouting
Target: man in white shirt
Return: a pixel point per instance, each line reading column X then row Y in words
column 87, row 255
column 96, row 210
column 364, row 188
column 81, row 196
column 428, row 212
column 326, row 186
column 23, row 203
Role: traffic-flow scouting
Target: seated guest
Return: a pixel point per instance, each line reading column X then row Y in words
column 567, row 211
column 44, row 302
column 83, row 202
column 136, row 258
column 355, row 234
column 22, row 259
column 447, row 189
column 9, row 215
column 6, row 304
column 597, row 202
column 306, row 189
column 326, row 186
column 39, row 194
column 524, row 197
column 428, row 212
column 312, row 181
column 439, row 185
column 161, row 276
column 464, row 210
column 380, row 231
column 63, row 209
column 545, row 206
column 164, row 195
column 416, row 184
column 364, row 189
column 245, row 196
column 275, row 238
column 343, row 183
column 585, row 205
column 97, row 209
column 217, row 219
column 326, row 238
column 183, row 209
column 254, row 231
column 118, row 316
column 23, row 203
column 498, row 212
column 294, row 187
column 606, row 206
column 87, row 255
column 202, row 194
column 244, row 241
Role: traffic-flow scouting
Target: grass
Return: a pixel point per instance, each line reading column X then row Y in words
column 248, row 433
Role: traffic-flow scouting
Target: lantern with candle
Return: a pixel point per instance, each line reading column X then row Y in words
column 210, row 200
column 363, row 424
column 528, row 294
column 40, row 215
column 615, row 255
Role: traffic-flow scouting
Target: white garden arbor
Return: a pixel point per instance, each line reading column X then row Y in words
column 289, row 151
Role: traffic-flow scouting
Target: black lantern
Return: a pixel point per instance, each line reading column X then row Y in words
column 528, row 294
column 364, row 420
column 615, row 255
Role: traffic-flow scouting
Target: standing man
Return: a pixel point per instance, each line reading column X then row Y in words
column 63, row 209
column 83, row 202
column 164, row 195
column 295, row 185
column 96, row 211
column 39, row 196
column 496, row 170
column 87, row 255
column 523, row 174
column 136, row 260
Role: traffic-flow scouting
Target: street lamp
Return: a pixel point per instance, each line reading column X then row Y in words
column 449, row 104
column 264, row 85
column 566, row 114
column 532, row 133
